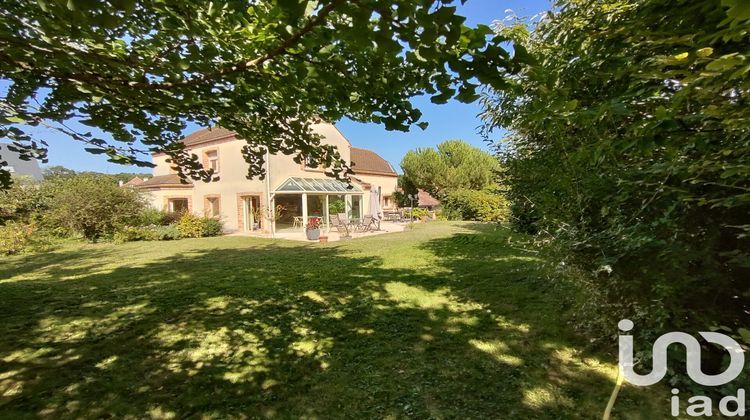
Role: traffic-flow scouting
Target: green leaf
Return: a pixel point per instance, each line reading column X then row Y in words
column 745, row 334
column 704, row 52
column 725, row 62
column 15, row 119
column 681, row 56
column 738, row 9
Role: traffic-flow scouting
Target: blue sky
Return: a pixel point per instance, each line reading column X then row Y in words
column 449, row 121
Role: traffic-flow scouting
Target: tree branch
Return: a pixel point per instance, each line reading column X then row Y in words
column 313, row 22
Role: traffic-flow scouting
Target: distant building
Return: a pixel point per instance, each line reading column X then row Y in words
column 18, row 167
column 426, row 201
column 136, row 181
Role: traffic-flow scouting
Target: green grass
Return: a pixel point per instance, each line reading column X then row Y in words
column 450, row 320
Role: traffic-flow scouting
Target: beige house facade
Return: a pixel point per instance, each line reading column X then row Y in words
column 290, row 195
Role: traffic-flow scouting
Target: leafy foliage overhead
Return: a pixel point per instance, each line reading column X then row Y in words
column 267, row 69
column 629, row 143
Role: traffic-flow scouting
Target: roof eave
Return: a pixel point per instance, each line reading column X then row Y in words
column 391, row 174
column 164, row 186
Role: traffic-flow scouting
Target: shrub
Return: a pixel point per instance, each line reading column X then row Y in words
column 637, row 165
column 483, row 206
column 190, row 226
column 153, row 217
column 146, row 233
column 22, row 202
column 416, row 213
column 92, row 206
column 18, row 238
column 171, row 218
column 212, row 227
column 165, row 233
column 130, row 234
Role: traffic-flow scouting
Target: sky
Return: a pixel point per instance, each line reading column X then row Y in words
column 453, row 120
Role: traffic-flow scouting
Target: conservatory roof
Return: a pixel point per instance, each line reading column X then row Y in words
column 324, row 185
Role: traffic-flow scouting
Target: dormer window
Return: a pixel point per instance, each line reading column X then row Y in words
column 212, row 160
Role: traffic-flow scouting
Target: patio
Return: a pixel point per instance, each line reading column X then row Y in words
column 333, row 235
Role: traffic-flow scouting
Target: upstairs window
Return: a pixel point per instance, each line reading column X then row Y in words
column 212, row 160
column 310, row 163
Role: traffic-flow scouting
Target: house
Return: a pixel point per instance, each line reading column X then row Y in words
column 295, row 191
column 17, row 166
column 136, row 181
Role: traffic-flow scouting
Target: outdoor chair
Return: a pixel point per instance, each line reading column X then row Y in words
column 367, row 224
column 340, row 227
column 344, row 218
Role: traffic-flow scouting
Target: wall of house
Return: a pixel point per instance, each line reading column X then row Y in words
column 158, row 199
column 387, row 186
column 283, row 167
column 231, row 186
column 162, row 167
column 233, row 183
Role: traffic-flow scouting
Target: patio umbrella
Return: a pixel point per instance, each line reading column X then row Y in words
column 374, row 209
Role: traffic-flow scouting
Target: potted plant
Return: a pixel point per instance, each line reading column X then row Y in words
column 312, row 229
column 257, row 217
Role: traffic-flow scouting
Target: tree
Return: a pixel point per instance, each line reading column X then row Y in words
column 57, row 172
column 22, row 201
column 405, row 190
column 454, row 165
column 92, row 205
column 629, row 143
column 60, row 172
column 139, row 70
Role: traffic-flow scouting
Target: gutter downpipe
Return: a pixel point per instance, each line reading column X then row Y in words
column 271, row 215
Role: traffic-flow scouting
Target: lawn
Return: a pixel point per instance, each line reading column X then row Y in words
column 449, row 320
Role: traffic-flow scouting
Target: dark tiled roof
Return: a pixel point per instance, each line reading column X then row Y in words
column 171, row 180
column 207, row 134
column 367, row 161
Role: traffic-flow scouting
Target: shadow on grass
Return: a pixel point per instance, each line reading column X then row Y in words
column 271, row 330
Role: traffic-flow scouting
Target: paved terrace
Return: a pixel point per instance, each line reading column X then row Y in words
column 333, row 235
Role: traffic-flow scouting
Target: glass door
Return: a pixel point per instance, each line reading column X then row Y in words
column 253, row 213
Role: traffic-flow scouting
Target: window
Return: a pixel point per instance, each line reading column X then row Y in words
column 386, row 201
column 212, row 207
column 212, row 160
column 356, row 212
column 310, row 163
column 178, row 205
